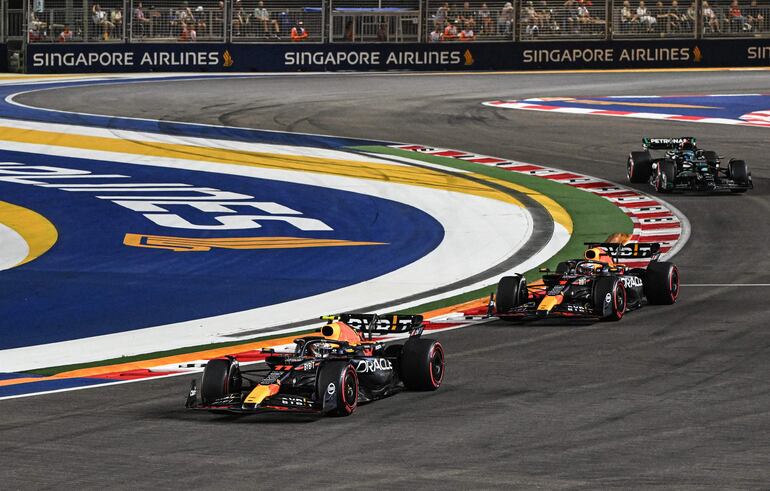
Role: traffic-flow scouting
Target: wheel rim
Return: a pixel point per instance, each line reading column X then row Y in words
column 673, row 283
column 437, row 365
column 620, row 301
column 350, row 390
column 630, row 169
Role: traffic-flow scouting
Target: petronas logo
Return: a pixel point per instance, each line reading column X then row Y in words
column 227, row 59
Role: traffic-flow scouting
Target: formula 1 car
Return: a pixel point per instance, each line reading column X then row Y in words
column 685, row 167
column 597, row 287
column 328, row 373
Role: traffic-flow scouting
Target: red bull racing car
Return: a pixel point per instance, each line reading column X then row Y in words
column 329, row 373
column 596, row 287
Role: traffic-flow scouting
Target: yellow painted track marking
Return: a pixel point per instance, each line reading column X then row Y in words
column 39, row 234
column 365, row 170
column 557, row 212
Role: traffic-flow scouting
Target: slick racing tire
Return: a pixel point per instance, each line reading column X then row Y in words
column 609, row 290
column 338, row 382
column 666, row 174
column 639, row 167
column 422, row 364
column 511, row 292
column 739, row 172
column 661, row 283
column 221, row 377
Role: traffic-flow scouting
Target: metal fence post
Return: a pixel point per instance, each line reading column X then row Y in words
column 515, row 31
column 609, row 8
column 698, row 19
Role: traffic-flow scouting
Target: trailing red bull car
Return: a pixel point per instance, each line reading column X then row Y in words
column 597, row 287
column 329, row 373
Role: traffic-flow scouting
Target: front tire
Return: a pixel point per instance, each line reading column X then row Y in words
column 609, row 296
column 221, row 376
column 661, row 283
column 739, row 172
column 422, row 364
column 511, row 292
column 665, row 177
column 639, row 166
column 337, row 386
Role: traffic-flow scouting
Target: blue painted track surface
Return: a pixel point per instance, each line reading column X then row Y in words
column 90, row 283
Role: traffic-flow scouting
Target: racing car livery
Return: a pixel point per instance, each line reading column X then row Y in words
column 685, row 167
column 328, row 373
column 596, row 287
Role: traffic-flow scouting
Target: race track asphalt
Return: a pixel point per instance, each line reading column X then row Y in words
column 677, row 397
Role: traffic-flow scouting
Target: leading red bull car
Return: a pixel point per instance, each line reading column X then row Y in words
column 597, row 287
column 328, row 373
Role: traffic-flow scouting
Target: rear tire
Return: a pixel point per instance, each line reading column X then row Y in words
column 617, row 298
column 338, row 381
column 221, row 377
column 422, row 364
column 661, row 283
column 639, row 167
column 739, row 172
column 665, row 177
column 511, row 292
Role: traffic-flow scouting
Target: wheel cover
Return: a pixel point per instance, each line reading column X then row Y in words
column 350, row 389
column 620, row 300
column 673, row 283
column 437, row 365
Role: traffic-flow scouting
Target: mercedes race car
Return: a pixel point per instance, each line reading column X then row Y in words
column 684, row 167
column 329, row 373
column 597, row 287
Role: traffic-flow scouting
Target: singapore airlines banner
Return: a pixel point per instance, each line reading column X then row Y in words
column 79, row 58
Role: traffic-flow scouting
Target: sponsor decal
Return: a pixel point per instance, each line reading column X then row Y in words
column 148, row 59
column 608, row 298
column 373, row 365
column 377, row 58
column 184, row 244
column 294, row 401
column 331, row 389
column 606, row 55
column 631, row 281
column 758, row 53
column 577, row 309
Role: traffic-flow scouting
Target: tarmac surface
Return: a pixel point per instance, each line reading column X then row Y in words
column 670, row 396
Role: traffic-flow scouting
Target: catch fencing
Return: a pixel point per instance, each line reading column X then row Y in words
column 377, row 21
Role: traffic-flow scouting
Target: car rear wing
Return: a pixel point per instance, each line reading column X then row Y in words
column 371, row 324
column 665, row 143
column 632, row 250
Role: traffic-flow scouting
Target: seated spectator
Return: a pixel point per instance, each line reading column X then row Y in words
column 240, row 18
column 467, row 17
column 688, row 23
column 710, row 19
column 755, row 17
column 505, row 20
column 141, row 22
column 450, row 31
column 627, row 19
column 546, row 17
column 442, row 16
column 99, row 18
column 676, row 17
column 382, row 33
column 737, row 19
column 188, row 33
column 116, row 17
column 645, row 18
column 530, row 19
column 349, row 31
column 298, row 32
column 262, row 18
column 570, row 15
column 435, row 35
column 485, row 19
column 467, row 35
column 65, row 35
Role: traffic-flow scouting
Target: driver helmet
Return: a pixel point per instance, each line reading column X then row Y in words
column 318, row 350
column 687, row 150
column 588, row 268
